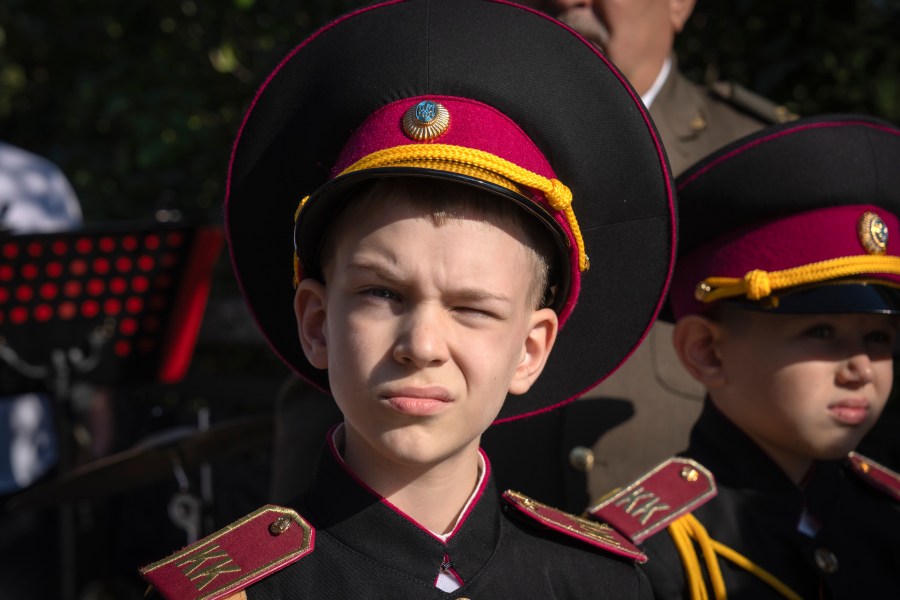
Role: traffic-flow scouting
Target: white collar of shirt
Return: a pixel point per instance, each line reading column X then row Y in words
column 338, row 441
column 443, row 536
column 650, row 95
column 446, row 579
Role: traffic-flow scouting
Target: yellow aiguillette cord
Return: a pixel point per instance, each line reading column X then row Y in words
column 687, row 530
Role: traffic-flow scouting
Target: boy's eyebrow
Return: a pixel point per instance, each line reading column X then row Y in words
column 378, row 270
column 479, row 294
column 464, row 293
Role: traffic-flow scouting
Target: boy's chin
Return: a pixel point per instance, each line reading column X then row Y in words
column 839, row 448
column 420, row 451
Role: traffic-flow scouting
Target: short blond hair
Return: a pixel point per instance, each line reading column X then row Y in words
column 442, row 200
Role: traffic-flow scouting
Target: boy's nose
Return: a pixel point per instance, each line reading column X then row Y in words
column 857, row 369
column 422, row 341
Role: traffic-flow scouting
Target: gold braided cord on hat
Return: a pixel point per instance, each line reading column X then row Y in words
column 482, row 165
column 687, row 530
column 758, row 284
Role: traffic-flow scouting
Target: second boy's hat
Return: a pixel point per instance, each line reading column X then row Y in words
column 797, row 218
column 484, row 93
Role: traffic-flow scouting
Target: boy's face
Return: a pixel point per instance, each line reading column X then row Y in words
column 805, row 386
column 424, row 329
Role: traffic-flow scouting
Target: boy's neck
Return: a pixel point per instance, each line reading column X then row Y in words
column 795, row 467
column 432, row 495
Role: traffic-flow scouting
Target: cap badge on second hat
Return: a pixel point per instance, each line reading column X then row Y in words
column 426, row 120
column 873, row 233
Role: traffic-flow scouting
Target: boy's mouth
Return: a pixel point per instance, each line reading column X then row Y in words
column 418, row 401
column 850, row 412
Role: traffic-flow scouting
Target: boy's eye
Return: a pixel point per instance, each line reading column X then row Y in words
column 382, row 293
column 470, row 311
column 880, row 337
column 821, row 332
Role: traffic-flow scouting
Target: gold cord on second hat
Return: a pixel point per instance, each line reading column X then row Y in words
column 758, row 284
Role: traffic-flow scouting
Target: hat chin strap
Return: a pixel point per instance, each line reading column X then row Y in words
column 759, row 284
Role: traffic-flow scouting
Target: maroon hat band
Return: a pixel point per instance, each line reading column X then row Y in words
column 802, row 206
column 758, row 262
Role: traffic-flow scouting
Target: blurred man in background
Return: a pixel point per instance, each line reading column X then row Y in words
column 639, row 36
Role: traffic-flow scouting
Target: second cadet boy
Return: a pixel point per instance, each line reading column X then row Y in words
column 786, row 309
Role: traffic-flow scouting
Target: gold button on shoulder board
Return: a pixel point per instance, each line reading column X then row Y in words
column 279, row 525
column 690, row 474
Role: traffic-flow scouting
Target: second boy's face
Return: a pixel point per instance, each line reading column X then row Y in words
column 806, row 386
column 426, row 329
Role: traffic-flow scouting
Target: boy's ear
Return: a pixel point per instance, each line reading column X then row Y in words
column 696, row 342
column 310, row 309
column 538, row 344
column 679, row 12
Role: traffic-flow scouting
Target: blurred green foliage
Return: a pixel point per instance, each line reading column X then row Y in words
column 139, row 101
column 814, row 57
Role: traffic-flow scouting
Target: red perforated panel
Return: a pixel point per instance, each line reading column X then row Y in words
column 142, row 291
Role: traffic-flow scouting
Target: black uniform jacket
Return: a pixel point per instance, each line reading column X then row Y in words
column 854, row 554
column 366, row 548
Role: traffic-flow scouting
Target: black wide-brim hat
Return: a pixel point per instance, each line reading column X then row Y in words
column 796, row 218
column 535, row 112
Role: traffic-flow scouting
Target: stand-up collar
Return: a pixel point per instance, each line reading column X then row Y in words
column 340, row 505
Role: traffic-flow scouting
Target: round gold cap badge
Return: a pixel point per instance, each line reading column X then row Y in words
column 873, row 233
column 426, row 120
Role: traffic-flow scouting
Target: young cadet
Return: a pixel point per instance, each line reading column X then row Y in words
column 785, row 304
column 439, row 166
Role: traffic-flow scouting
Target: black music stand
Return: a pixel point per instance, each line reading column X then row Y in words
column 104, row 305
column 122, row 304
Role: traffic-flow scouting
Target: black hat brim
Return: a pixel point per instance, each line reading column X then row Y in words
column 835, row 297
